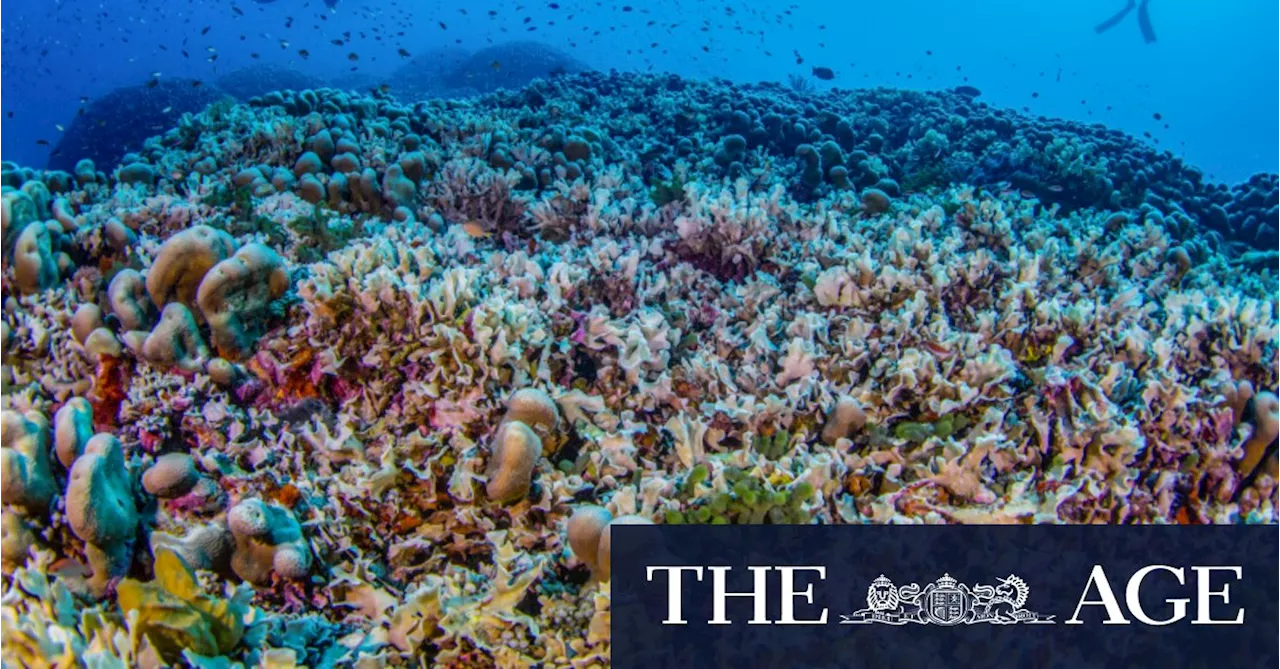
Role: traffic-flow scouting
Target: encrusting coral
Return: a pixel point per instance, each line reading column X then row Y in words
column 341, row 379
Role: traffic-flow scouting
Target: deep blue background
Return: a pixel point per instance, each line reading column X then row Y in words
column 1212, row 75
column 1055, row 561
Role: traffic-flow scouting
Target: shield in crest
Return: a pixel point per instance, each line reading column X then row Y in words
column 947, row 606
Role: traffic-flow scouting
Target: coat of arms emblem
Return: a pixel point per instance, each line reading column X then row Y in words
column 946, row 601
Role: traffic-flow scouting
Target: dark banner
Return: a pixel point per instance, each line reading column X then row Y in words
column 748, row 597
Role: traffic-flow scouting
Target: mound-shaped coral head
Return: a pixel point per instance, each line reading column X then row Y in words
column 268, row 539
column 182, row 262
column 235, row 297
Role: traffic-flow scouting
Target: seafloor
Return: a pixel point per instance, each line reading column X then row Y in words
column 260, row 381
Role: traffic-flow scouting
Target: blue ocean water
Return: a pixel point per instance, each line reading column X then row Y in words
column 1204, row 89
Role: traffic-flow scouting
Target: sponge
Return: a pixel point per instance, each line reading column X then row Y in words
column 235, row 297
column 268, row 539
column 26, row 473
column 101, row 510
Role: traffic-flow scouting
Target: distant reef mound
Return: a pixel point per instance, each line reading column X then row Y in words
column 248, row 82
column 509, row 65
column 120, row 121
column 423, row 76
column 876, row 144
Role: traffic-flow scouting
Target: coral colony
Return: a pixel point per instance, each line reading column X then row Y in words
column 329, row 379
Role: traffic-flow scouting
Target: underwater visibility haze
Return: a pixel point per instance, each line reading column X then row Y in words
column 344, row 330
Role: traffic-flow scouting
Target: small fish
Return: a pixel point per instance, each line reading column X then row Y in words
column 59, row 127
column 824, row 73
column 496, row 65
column 42, row 142
column 205, row 30
column 475, row 230
column 1157, row 116
column 404, row 53
column 968, row 91
column 153, row 83
column 304, row 53
column 353, row 56
column 166, row 110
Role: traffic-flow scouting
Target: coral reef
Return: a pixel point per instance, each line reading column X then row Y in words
column 343, row 380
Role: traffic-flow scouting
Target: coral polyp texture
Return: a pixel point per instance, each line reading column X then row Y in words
column 327, row 377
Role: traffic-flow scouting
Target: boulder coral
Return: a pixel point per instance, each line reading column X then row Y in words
column 518, row 442
column 604, row 552
column 1266, row 427
column 101, row 510
column 182, row 262
column 535, row 408
column 73, row 428
column 591, row 538
column 27, row 472
column 175, row 341
column 127, row 296
column 173, row 474
column 516, row 449
column 17, row 211
column 34, row 266
column 236, row 295
column 16, row 540
column 268, row 541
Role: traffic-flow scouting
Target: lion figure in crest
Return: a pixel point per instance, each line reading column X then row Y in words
column 882, row 596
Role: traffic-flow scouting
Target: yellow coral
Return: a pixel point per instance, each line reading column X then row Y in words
column 175, row 615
